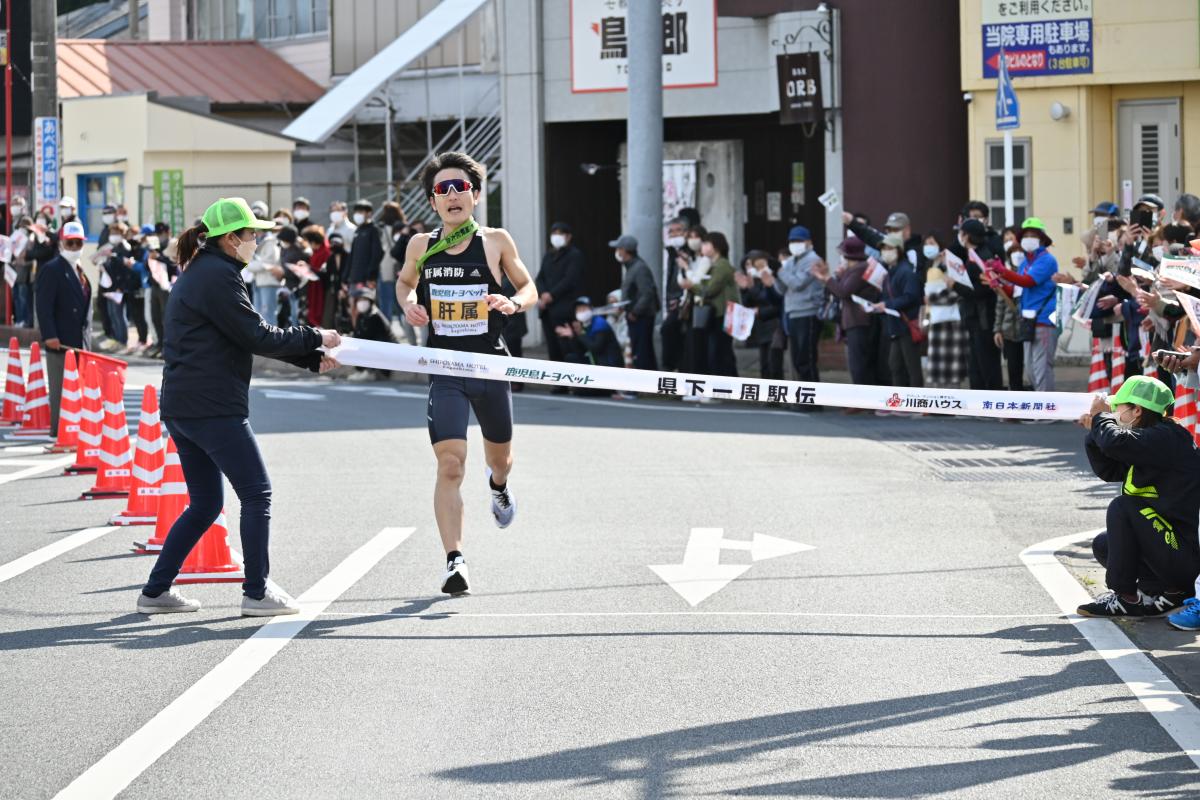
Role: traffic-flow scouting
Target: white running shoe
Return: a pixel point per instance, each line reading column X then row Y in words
column 455, row 580
column 504, row 507
column 169, row 602
column 273, row 604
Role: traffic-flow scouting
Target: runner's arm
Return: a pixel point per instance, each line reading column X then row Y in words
column 407, row 278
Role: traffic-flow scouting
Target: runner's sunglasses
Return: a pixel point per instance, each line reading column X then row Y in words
column 456, row 185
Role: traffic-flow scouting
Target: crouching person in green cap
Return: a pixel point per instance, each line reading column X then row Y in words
column 1150, row 548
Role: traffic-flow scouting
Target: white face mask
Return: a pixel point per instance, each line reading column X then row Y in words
column 1158, row 253
column 245, row 250
column 676, row 241
column 558, row 241
column 336, row 217
column 359, row 217
column 694, row 245
column 65, row 212
column 889, row 257
column 584, row 317
column 363, row 306
column 42, row 221
column 1030, row 244
column 617, row 256
column 930, row 250
column 108, row 218
column 1018, row 258
column 280, row 221
column 121, row 217
column 797, row 248
column 300, row 213
column 115, row 239
column 72, row 256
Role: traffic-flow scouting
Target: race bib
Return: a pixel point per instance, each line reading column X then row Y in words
column 458, row 310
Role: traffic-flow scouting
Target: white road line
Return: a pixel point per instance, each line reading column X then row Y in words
column 115, row 771
column 816, row 614
column 45, row 466
column 1173, row 710
column 25, row 563
column 22, row 450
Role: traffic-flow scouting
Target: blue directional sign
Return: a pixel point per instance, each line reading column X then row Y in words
column 1008, row 111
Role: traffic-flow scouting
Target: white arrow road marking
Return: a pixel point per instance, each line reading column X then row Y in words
column 280, row 394
column 701, row 575
column 111, row 774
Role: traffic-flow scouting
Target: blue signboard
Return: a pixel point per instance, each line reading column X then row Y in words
column 1008, row 110
column 1036, row 38
column 45, row 158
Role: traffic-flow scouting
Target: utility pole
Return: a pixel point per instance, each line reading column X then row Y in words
column 644, row 133
column 133, row 20
column 43, row 34
column 8, row 136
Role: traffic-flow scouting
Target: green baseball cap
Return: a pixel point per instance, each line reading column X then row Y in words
column 1033, row 224
column 1141, row 390
column 232, row 214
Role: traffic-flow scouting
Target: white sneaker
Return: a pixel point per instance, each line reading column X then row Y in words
column 169, row 602
column 362, row 375
column 273, row 604
column 455, row 580
column 504, row 507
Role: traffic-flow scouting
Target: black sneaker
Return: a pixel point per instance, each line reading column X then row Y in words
column 1111, row 605
column 1165, row 603
column 455, row 581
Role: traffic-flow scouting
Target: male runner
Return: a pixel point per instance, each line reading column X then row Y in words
column 452, row 277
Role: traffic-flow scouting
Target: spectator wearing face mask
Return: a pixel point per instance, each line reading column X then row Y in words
column 948, row 343
column 1006, row 330
column 136, row 290
column 115, row 279
column 559, row 281
column 294, row 254
column 1038, row 298
column 108, row 216
column 66, row 210
column 712, row 347
column 390, row 222
column 316, row 291
column 803, row 296
column 1149, row 548
column 339, row 222
column 589, row 339
column 23, row 262
column 63, row 296
column 370, row 324
column 855, row 322
column 760, row 290
column 642, row 301
column 335, row 314
column 366, row 252
column 17, row 212
column 977, row 306
column 266, row 270
column 901, row 293
column 671, row 329
column 301, row 211
column 163, row 274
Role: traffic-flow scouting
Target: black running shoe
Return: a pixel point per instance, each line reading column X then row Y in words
column 455, row 580
column 1111, row 605
column 1159, row 604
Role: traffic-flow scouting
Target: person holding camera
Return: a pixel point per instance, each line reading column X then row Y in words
column 1149, row 549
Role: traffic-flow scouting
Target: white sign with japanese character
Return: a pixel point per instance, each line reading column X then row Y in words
column 600, row 44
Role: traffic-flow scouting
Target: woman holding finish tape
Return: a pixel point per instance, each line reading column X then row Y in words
column 212, row 334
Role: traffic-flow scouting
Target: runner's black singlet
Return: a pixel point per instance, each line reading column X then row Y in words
column 454, row 289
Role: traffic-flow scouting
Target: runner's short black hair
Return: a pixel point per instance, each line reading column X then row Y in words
column 452, row 160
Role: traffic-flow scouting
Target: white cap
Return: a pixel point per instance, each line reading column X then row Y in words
column 67, row 201
column 72, row 230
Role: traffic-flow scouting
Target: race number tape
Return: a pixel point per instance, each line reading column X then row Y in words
column 432, row 361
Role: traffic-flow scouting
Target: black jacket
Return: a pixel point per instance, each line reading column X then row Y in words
column 365, row 254
column 976, row 306
column 1160, row 464
column 373, row 327
column 62, row 303
column 561, row 275
column 212, row 334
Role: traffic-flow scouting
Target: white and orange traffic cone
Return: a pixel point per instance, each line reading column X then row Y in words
column 1185, row 407
column 67, row 435
column 210, row 560
column 1118, row 360
column 35, row 413
column 113, row 473
column 14, row 386
column 91, row 423
column 172, row 500
column 1098, row 378
column 147, row 467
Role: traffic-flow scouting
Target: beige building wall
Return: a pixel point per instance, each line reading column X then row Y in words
column 361, row 28
column 1137, row 56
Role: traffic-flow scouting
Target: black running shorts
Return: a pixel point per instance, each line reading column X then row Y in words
column 451, row 401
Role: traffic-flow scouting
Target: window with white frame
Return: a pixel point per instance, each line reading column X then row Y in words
column 993, row 162
column 257, row 19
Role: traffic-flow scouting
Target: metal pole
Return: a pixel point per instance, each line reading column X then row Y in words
column 43, row 34
column 462, row 107
column 644, row 132
column 428, row 112
column 357, row 176
column 1008, row 180
column 133, row 20
column 8, row 183
column 387, row 142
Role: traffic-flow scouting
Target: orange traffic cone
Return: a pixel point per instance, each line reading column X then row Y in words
column 14, row 386
column 147, row 467
column 1185, row 407
column 91, row 422
column 35, row 413
column 172, row 500
column 210, row 560
column 68, row 412
column 1118, row 360
column 112, row 476
column 1098, row 379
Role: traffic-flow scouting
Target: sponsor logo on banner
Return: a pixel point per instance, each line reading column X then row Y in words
column 1000, row 404
column 923, row 402
column 775, row 393
column 543, row 375
column 455, row 366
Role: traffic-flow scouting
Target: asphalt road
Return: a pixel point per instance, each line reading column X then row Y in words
column 909, row 652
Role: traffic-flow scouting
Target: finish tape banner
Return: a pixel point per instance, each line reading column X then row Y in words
column 432, row 361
